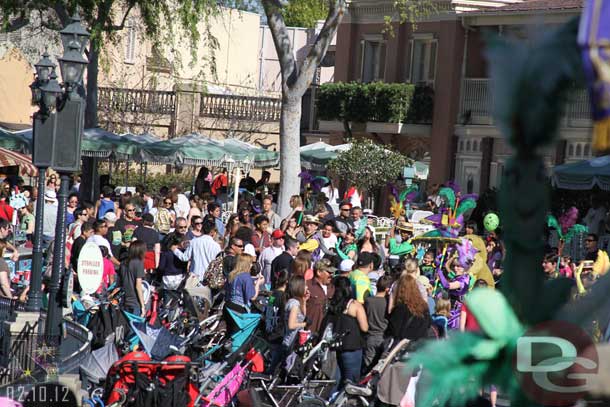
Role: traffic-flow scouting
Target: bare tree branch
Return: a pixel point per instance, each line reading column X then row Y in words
column 283, row 44
column 122, row 25
column 336, row 8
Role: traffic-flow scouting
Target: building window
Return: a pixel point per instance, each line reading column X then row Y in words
column 587, row 150
column 423, row 61
column 130, row 42
column 571, row 150
column 373, row 60
column 578, row 150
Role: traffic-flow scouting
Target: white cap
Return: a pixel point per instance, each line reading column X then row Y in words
column 110, row 216
column 249, row 249
column 346, row 265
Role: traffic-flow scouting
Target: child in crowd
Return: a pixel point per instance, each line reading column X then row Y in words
column 427, row 267
column 376, row 308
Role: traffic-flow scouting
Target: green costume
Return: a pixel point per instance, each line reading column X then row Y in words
column 400, row 249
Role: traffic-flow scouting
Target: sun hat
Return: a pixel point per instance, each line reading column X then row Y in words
column 50, row 195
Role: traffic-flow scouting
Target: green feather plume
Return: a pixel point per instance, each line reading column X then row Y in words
column 573, row 231
column 552, row 222
column 407, row 191
column 448, row 195
column 465, row 206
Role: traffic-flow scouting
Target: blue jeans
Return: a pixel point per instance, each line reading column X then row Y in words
column 350, row 364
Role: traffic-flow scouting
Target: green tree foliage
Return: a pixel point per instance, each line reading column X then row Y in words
column 369, row 165
column 305, row 13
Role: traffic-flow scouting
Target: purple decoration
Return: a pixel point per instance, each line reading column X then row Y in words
column 593, row 38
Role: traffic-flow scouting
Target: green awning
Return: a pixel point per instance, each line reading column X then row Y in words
column 583, row 175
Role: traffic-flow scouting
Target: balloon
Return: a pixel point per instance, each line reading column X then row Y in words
column 491, row 222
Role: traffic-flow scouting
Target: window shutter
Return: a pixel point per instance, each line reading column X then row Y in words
column 381, row 63
column 432, row 63
column 409, row 63
column 361, row 60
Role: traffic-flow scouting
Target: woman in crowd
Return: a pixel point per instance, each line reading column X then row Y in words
column 240, row 290
column 165, row 217
column 27, row 220
column 367, row 243
column 195, row 209
column 347, row 248
column 173, row 270
column 131, row 274
column 291, row 227
column 231, row 227
column 245, row 218
column 410, row 316
column 295, row 311
column 109, row 273
column 276, row 320
column 150, row 237
column 348, row 315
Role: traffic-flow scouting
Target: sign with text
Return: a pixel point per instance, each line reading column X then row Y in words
column 90, row 268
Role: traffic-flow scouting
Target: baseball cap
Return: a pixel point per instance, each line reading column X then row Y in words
column 277, row 234
column 110, row 216
column 346, row 265
column 249, row 249
column 325, row 265
column 365, row 258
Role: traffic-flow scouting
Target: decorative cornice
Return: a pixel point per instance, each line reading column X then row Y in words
column 368, row 11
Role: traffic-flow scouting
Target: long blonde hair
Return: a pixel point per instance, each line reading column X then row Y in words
column 295, row 201
column 243, row 264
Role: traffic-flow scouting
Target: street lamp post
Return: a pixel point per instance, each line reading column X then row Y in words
column 58, row 129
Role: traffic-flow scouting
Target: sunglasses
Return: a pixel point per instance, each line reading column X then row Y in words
column 168, row 202
column 130, row 210
column 344, row 209
column 241, row 246
column 198, row 223
column 589, row 240
column 181, row 227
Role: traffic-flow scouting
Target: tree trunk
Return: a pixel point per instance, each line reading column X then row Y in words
column 92, row 74
column 290, row 158
column 89, row 182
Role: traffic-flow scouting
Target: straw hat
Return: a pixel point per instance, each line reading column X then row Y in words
column 407, row 226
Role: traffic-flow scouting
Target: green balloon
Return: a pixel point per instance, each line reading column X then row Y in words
column 491, row 222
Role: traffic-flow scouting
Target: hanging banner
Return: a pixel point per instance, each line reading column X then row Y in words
column 90, row 268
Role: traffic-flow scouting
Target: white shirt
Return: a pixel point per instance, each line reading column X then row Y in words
column 201, row 251
column 355, row 200
column 100, row 241
column 266, row 258
column 182, row 206
column 330, row 242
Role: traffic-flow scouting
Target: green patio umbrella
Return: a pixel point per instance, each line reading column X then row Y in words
column 316, row 156
column 20, row 141
column 583, row 175
column 189, row 150
column 260, row 157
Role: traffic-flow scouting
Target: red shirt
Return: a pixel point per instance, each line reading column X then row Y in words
column 471, row 323
column 6, row 211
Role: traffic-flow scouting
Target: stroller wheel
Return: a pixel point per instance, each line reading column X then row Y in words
column 97, row 392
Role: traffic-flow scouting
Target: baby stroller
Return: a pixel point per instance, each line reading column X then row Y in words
column 137, row 381
column 247, row 324
column 95, row 367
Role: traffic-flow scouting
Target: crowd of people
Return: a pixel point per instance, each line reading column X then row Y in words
column 323, row 263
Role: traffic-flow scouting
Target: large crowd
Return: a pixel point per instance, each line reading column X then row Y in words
column 323, row 263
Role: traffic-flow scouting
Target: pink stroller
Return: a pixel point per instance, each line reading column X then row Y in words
column 228, row 387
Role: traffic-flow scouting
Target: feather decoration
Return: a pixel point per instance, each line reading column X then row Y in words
column 573, row 231
column 465, row 205
column 448, row 196
column 568, row 219
column 393, row 191
column 306, row 177
column 454, row 186
column 412, row 196
column 318, row 182
column 404, row 193
column 553, row 223
column 396, row 208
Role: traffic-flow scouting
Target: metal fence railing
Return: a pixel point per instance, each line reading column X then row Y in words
column 237, row 107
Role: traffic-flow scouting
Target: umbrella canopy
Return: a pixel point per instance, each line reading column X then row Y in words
column 190, row 149
column 20, row 141
column 261, row 157
column 583, row 175
column 316, row 156
column 11, row 158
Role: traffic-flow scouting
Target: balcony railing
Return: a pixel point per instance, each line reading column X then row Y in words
column 136, row 100
column 240, row 107
column 478, row 101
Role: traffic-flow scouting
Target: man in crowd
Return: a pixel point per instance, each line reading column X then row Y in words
column 595, row 217
column 80, row 218
column 270, row 253
column 329, row 239
column 309, row 237
column 275, row 220
column 344, row 222
column 180, row 231
column 50, row 218
column 86, row 231
column 591, row 246
column 357, row 216
column 284, row 261
column 235, row 248
column 5, row 231
column 115, row 236
column 147, row 201
column 321, row 291
column 196, row 228
column 215, row 212
column 406, row 233
column 261, row 239
column 100, row 229
column 201, row 251
column 128, row 223
column 359, row 278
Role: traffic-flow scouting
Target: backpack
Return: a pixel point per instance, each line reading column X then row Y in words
column 214, row 275
column 164, row 221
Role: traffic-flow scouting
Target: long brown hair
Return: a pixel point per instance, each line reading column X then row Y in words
column 243, row 264
column 296, row 289
column 299, row 266
column 408, row 293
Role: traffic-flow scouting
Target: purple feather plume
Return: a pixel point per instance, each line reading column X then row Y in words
column 453, row 185
column 393, row 190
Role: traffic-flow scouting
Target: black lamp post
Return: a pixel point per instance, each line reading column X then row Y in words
column 58, row 129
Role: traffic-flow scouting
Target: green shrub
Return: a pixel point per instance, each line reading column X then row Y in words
column 377, row 102
column 154, row 181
